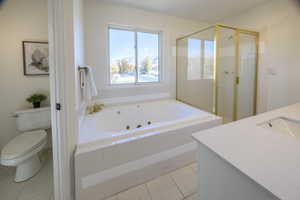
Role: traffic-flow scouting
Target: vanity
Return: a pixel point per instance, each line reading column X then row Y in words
column 257, row 158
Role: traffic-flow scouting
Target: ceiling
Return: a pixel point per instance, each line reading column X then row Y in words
column 202, row 10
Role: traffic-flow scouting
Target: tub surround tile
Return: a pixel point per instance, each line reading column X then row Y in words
column 163, row 188
column 111, row 157
column 125, row 163
column 95, row 157
column 182, row 160
column 186, row 179
column 158, row 140
column 148, row 173
column 114, row 185
column 155, row 165
column 137, row 193
column 128, row 151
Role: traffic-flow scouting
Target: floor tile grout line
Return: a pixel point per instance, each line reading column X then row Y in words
column 116, row 195
column 193, row 171
column 177, row 185
column 148, row 190
column 188, row 196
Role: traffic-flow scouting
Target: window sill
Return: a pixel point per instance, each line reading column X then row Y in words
column 138, row 85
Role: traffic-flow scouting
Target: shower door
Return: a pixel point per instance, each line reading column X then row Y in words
column 247, row 73
column 226, row 73
column 236, row 73
column 217, row 71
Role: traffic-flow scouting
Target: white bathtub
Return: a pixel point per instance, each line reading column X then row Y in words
column 123, row 146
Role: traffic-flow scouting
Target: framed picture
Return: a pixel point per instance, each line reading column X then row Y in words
column 35, row 58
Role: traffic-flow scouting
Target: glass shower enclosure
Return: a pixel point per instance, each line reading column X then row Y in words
column 217, row 71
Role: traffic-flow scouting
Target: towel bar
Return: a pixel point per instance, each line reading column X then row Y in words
column 82, row 68
column 82, row 76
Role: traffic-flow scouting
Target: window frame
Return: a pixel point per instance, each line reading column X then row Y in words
column 135, row 31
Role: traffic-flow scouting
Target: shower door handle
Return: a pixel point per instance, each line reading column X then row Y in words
column 237, row 80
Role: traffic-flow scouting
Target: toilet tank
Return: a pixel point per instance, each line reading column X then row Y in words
column 38, row 118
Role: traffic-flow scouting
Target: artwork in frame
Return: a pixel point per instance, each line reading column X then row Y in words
column 35, row 58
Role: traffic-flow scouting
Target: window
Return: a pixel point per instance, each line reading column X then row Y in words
column 194, row 59
column 134, row 56
column 200, row 59
column 208, row 63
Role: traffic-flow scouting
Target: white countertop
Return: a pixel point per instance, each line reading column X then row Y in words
column 270, row 159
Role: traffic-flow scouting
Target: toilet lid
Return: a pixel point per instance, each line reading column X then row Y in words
column 23, row 144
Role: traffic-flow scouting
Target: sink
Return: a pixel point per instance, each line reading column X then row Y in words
column 283, row 125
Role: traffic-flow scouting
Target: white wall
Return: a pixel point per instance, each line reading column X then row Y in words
column 278, row 24
column 19, row 20
column 98, row 15
column 73, row 57
column 78, row 46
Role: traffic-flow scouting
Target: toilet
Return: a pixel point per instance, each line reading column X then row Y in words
column 22, row 151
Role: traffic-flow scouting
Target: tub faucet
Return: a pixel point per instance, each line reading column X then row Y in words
column 94, row 108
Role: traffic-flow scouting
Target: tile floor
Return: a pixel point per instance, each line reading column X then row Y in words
column 177, row 185
column 39, row 187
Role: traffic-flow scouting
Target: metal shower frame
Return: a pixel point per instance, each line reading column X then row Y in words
column 238, row 31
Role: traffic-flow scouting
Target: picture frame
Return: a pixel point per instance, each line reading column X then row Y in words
column 35, row 58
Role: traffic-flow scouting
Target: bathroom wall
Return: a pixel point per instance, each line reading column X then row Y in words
column 73, row 56
column 79, row 60
column 78, row 47
column 278, row 24
column 19, row 20
column 98, row 15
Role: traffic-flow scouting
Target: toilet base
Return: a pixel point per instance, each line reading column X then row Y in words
column 28, row 169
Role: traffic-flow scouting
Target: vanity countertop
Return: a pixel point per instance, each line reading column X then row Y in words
column 270, row 159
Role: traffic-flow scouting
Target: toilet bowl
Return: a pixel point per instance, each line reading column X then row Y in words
column 22, row 153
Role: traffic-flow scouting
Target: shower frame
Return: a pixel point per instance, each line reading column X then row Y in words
column 238, row 31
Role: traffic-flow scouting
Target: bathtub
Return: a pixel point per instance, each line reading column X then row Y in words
column 123, row 146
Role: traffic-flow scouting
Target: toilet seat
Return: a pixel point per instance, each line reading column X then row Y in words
column 23, row 144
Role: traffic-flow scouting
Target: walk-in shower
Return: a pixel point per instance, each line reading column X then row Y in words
column 217, row 71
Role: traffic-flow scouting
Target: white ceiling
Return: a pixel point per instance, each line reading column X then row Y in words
column 203, row 10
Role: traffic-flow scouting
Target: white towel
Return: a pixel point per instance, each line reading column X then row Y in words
column 89, row 89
